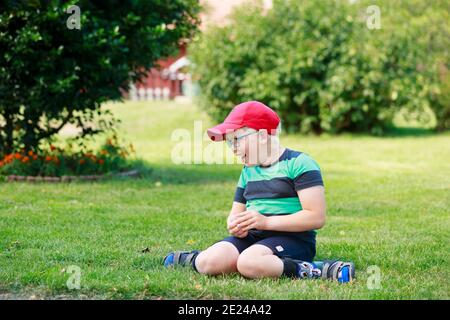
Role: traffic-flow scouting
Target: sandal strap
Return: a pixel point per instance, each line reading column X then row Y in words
column 335, row 269
column 326, row 266
column 189, row 258
column 176, row 257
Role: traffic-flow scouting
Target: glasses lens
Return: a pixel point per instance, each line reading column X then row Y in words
column 232, row 143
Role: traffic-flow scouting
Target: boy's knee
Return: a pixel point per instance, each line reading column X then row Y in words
column 249, row 266
column 212, row 264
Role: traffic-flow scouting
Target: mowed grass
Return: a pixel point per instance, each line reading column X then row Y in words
column 388, row 206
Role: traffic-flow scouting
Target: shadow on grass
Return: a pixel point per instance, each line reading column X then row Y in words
column 184, row 174
column 401, row 132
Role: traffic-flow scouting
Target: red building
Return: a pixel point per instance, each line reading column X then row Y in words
column 164, row 82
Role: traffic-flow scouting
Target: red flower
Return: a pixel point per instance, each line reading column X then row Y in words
column 52, row 147
column 82, row 161
column 48, row 158
column 101, row 161
column 25, row 159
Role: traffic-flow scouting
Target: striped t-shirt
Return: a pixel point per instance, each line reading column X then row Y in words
column 273, row 190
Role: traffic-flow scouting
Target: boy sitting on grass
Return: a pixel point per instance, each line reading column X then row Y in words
column 278, row 204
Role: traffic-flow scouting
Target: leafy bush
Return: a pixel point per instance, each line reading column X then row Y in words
column 318, row 65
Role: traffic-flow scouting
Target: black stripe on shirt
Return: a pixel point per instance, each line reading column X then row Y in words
column 281, row 187
column 239, row 195
column 308, row 179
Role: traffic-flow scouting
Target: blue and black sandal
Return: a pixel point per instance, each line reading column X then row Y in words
column 182, row 258
column 307, row 270
column 338, row 271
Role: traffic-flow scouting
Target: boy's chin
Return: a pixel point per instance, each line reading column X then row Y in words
column 247, row 163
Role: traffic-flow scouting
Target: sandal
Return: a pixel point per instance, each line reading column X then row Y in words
column 338, row 270
column 183, row 258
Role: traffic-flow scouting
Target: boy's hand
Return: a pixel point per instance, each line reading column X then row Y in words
column 244, row 221
column 237, row 232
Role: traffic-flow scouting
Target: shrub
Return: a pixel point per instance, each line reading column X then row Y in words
column 317, row 64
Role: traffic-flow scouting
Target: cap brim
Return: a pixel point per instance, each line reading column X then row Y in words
column 218, row 132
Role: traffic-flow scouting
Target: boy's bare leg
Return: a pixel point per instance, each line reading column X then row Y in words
column 258, row 261
column 220, row 258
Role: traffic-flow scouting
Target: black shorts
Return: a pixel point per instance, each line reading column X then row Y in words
column 294, row 245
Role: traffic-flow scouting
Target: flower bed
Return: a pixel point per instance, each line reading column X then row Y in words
column 58, row 165
column 38, row 179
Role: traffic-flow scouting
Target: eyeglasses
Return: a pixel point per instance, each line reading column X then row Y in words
column 235, row 142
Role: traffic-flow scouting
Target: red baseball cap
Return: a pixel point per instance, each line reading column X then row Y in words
column 251, row 114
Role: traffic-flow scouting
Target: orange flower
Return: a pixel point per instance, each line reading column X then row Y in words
column 48, row 158
column 18, row 156
column 30, row 153
column 25, row 159
column 1, row 163
column 101, row 161
column 35, row 157
column 82, row 161
column 9, row 158
column 52, row 147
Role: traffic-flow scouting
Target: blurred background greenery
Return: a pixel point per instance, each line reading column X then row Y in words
column 322, row 67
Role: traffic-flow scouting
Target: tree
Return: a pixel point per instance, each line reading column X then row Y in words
column 52, row 74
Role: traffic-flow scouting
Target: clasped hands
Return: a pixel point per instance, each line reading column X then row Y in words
column 238, row 224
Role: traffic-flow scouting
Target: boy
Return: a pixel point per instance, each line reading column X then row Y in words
column 278, row 204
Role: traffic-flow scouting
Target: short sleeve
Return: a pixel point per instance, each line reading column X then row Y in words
column 305, row 172
column 242, row 183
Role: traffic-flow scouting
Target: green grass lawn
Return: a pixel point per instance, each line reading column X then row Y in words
column 388, row 205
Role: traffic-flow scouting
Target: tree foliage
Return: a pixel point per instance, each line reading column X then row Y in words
column 51, row 75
